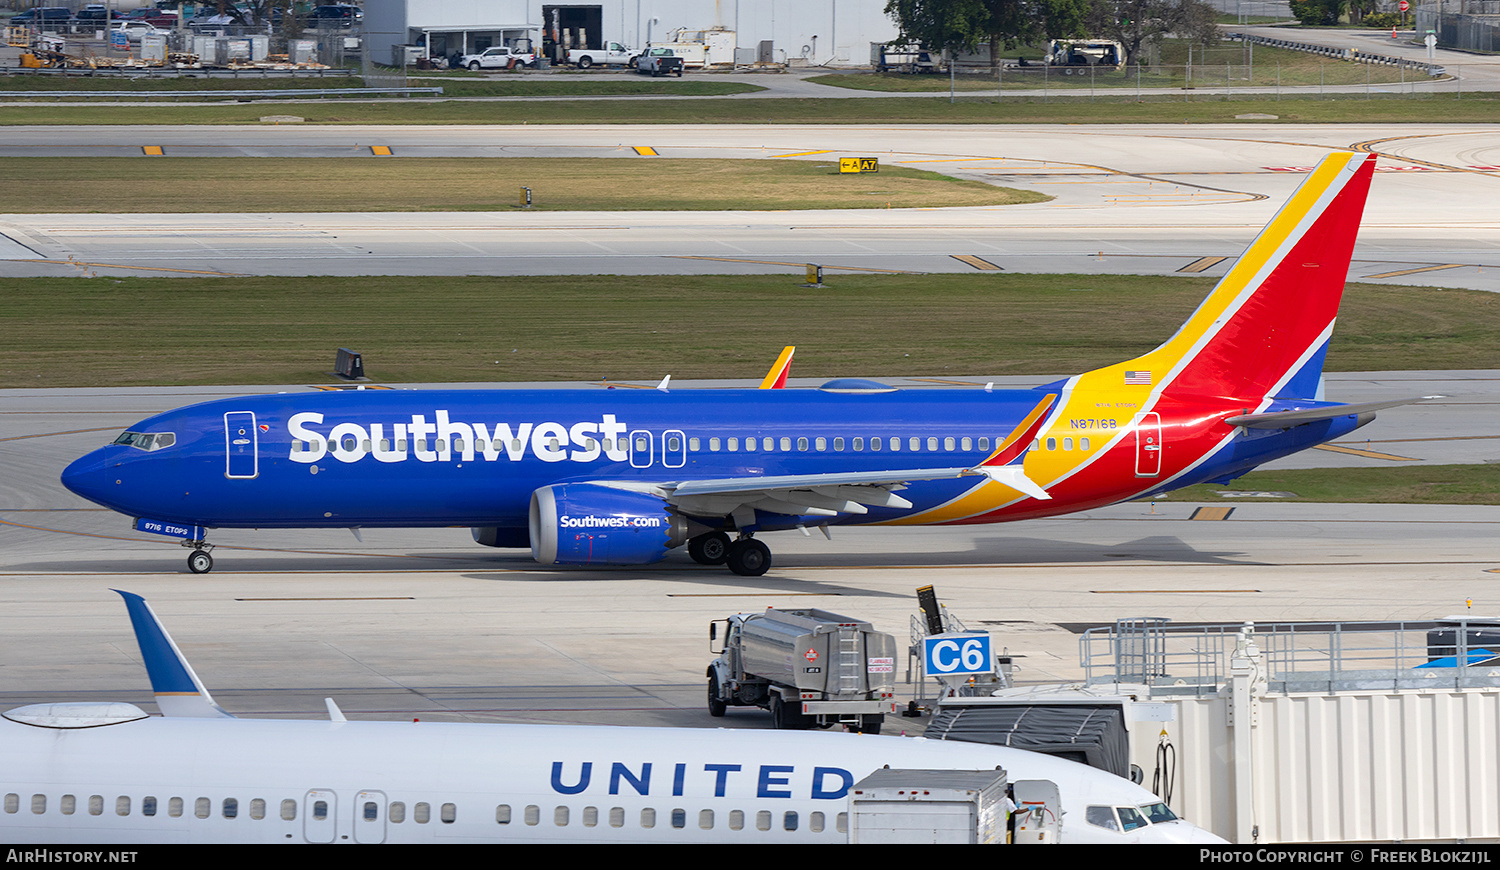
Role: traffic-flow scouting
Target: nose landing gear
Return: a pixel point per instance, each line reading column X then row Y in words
column 199, row 561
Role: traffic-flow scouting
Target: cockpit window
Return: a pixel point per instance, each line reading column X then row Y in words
column 1130, row 818
column 147, row 440
column 1103, row 817
column 1159, row 813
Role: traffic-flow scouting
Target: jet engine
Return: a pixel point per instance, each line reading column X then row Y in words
column 591, row 524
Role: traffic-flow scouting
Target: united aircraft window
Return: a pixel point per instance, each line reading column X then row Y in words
column 202, row 806
column 789, row 821
column 174, row 807
column 763, row 820
column 679, row 818
column 560, row 816
column 122, row 805
column 231, row 808
column 590, row 817
column 96, row 804
column 288, row 809
column 815, row 823
column 533, row 815
column 422, row 813
column 148, row 806
column 39, row 804
column 617, row 817
column 502, row 814
column 12, row 802
column 648, row 817
column 842, row 823
column 68, row 804
column 706, row 819
column 736, row 820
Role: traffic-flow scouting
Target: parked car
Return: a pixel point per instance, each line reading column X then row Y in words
column 45, row 17
column 151, row 15
column 94, row 14
column 336, row 15
column 659, row 62
column 134, row 30
column 498, row 57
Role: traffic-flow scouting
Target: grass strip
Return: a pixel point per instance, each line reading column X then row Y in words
column 621, row 183
column 71, row 332
column 1415, row 484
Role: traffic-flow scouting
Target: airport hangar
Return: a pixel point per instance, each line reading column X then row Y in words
column 802, row 32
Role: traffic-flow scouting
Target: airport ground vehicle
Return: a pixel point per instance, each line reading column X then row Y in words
column 659, row 62
column 497, row 57
column 907, row 59
column 611, row 53
column 1081, row 54
column 137, row 29
column 808, row 667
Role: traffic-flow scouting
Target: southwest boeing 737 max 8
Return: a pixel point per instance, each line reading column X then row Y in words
column 622, row 478
column 108, row 773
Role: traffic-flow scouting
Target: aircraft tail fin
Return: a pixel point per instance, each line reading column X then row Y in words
column 1264, row 329
column 179, row 692
column 776, row 378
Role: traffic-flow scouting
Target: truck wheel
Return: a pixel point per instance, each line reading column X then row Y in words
column 778, row 714
column 716, row 705
column 585, row 62
column 871, row 724
column 679, row 72
column 474, row 65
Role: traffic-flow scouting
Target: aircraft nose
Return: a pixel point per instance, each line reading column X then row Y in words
column 93, row 476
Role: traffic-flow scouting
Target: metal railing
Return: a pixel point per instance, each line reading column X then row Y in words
column 294, row 93
column 1297, row 656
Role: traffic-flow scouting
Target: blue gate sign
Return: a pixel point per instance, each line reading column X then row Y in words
column 954, row 654
column 119, row 39
column 174, row 530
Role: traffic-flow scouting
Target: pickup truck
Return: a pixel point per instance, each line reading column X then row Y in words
column 611, row 53
column 659, row 62
column 499, row 57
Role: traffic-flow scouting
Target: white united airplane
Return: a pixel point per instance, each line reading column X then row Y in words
column 108, row 773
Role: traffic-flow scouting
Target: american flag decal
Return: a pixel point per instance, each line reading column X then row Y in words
column 1138, row 377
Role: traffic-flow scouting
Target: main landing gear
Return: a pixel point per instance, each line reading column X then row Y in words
column 199, row 561
column 746, row 557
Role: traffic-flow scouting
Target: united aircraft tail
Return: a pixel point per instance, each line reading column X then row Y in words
column 1264, row 330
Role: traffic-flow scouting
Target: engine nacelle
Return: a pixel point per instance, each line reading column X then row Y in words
column 590, row 524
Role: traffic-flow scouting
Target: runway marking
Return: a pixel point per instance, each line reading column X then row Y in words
column 646, row 151
column 757, row 592
column 1368, row 454
column 1212, row 513
column 1202, row 263
column 1174, row 591
column 151, row 150
column 67, row 432
column 943, row 381
column 1414, row 271
column 979, row 263
column 380, row 150
column 137, row 268
column 800, row 265
column 623, row 384
column 356, row 387
column 803, row 154
column 330, row 598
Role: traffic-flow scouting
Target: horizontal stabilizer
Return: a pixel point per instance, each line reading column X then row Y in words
column 1287, row 419
column 179, row 692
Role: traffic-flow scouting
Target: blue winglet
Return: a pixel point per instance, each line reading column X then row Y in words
column 179, row 692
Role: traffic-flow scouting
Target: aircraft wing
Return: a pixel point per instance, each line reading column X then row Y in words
column 1287, row 419
column 852, row 492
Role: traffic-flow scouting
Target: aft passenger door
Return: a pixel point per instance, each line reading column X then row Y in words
column 1148, row 445
column 240, row 442
column 320, row 816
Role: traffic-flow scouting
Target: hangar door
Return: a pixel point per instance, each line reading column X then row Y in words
column 565, row 27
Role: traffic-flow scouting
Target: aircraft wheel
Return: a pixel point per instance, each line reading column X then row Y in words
column 716, row 705
column 749, row 558
column 709, row 549
column 200, row 562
